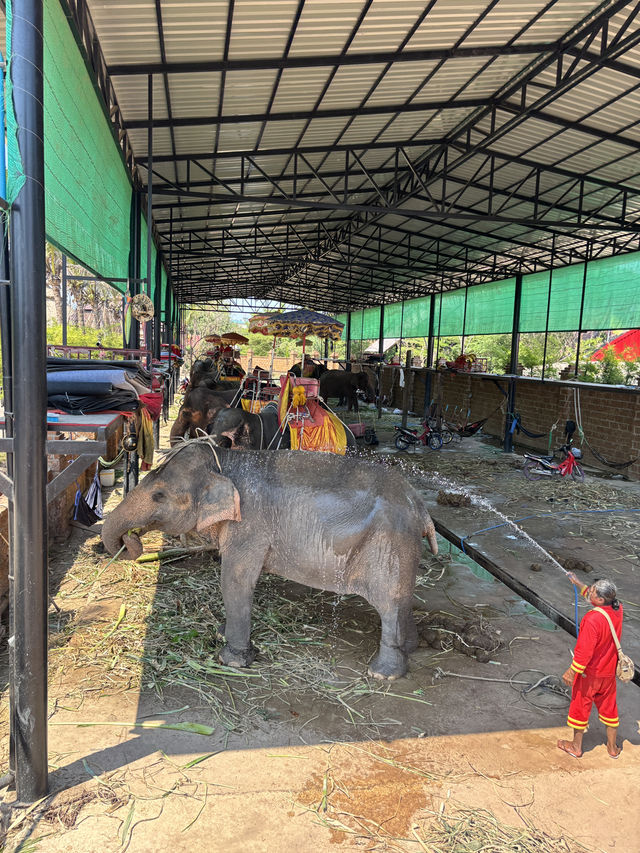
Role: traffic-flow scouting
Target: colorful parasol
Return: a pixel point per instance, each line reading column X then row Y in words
column 233, row 338
column 259, row 323
column 302, row 322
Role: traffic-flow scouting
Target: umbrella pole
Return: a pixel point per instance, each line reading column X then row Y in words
column 304, row 339
column 273, row 352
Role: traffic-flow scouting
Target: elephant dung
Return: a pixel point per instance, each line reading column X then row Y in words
column 475, row 637
column 570, row 564
column 453, row 498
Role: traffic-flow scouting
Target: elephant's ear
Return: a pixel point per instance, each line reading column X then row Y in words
column 213, row 411
column 220, row 501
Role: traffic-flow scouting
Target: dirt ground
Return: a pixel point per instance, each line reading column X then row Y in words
column 152, row 745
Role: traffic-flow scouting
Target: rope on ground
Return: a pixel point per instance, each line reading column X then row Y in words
column 547, row 685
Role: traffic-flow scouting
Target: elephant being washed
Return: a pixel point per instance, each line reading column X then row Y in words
column 329, row 522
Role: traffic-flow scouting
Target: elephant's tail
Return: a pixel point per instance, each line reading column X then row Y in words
column 429, row 532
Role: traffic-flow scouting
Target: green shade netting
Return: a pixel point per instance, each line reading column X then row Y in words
column 415, row 317
column 611, row 301
column 392, row 321
column 371, row 323
column 612, row 294
column 143, row 259
column 564, row 307
column 87, row 190
column 490, row 308
column 449, row 313
column 356, row 325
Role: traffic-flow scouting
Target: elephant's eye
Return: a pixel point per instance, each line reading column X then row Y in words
column 158, row 497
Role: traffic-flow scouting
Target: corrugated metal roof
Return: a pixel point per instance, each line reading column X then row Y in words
column 337, row 154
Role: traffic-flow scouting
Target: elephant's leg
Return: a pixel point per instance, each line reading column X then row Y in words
column 412, row 640
column 391, row 660
column 239, row 577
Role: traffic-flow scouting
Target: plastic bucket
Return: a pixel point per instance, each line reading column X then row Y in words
column 107, row 477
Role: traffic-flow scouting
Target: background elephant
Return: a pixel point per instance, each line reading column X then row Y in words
column 236, row 428
column 334, row 523
column 198, row 410
column 312, row 369
column 205, row 372
column 345, row 385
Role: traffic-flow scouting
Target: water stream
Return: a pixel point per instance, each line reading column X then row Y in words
column 440, row 481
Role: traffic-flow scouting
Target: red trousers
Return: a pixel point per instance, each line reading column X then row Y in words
column 588, row 689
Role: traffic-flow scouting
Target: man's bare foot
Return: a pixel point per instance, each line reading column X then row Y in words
column 567, row 746
column 615, row 752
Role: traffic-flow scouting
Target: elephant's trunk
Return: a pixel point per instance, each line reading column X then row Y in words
column 117, row 531
column 178, row 429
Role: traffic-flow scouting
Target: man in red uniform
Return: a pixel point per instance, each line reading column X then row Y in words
column 593, row 671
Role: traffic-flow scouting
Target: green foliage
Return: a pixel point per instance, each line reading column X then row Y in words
column 111, row 337
column 495, row 348
column 611, row 374
column 588, row 371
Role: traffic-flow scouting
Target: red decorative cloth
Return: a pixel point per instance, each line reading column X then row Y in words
column 153, row 402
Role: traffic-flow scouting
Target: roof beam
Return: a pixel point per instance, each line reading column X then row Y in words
column 380, row 210
column 302, row 115
column 328, row 60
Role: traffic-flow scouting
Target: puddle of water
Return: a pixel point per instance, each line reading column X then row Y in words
column 515, row 607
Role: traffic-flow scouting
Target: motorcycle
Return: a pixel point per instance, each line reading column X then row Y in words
column 406, row 436
column 537, row 467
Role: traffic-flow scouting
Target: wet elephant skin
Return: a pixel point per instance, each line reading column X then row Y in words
column 330, row 522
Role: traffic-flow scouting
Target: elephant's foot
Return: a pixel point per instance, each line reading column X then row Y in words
column 388, row 663
column 237, row 658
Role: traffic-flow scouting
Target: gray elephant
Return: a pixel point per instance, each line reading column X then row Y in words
column 204, row 372
column 198, row 410
column 345, row 385
column 236, row 428
column 340, row 524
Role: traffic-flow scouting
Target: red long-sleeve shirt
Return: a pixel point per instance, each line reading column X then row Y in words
column 595, row 652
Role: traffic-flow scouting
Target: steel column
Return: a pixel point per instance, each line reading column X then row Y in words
column 348, row 352
column 380, row 358
column 584, row 285
column 29, row 534
column 150, row 272
column 64, row 299
column 546, row 325
column 513, row 365
column 429, row 377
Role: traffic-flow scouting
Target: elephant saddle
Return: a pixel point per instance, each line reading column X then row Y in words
column 311, row 426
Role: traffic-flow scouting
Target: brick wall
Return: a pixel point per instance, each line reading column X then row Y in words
column 610, row 416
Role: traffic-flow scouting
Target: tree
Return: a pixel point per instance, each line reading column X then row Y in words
column 53, row 266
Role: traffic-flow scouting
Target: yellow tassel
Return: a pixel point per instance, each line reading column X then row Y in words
column 299, row 397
